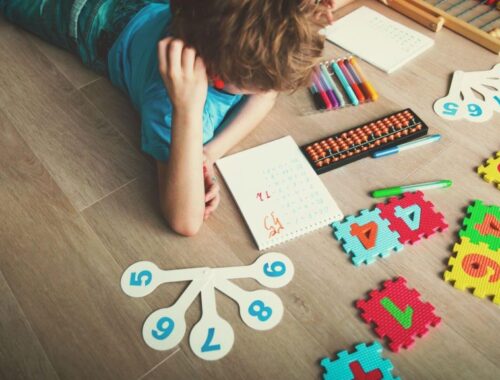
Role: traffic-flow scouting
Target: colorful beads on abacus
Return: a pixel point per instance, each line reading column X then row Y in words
column 363, row 139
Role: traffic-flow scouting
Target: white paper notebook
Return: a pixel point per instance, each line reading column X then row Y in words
column 377, row 39
column 277, row 191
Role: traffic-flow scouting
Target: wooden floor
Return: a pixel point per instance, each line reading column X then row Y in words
column 78, row 205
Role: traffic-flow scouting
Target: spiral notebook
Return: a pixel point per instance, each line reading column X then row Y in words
column 377, row 39
column 278, row 193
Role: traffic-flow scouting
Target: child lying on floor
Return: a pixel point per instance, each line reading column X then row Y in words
column 191, row 68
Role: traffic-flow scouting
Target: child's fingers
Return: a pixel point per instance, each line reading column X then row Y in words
column 188, row 59
column 212, row 206
column 199, row 66
column 213, row 191
column 174, row 57
column 162, row 54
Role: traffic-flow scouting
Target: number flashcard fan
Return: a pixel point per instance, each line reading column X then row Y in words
column 473, row 96
column 212, row 337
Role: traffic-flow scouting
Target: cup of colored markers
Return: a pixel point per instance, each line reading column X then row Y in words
column 339, row 83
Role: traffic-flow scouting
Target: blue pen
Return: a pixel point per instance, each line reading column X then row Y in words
column 406, row 146
column 335, row 90
column 345, row 84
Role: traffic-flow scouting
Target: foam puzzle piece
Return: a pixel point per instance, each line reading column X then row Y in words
column 412, row 217
column 482, row 224
column 365, row 363
column 398, row 313
column 366, row 236
column 491, row 171
column 477, row 267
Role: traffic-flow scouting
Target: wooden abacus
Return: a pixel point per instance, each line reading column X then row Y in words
column 356, row 143
column 477, row 20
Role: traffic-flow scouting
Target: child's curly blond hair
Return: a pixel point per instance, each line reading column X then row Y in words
column 253, row 44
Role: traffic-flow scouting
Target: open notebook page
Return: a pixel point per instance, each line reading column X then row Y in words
column 278, row 192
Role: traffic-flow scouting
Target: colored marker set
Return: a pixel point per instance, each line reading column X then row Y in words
column 360, row 142
column 339, row 83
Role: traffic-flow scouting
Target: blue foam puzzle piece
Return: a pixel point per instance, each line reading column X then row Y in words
column 369, row 358
column 386, row 240
column 407, row 213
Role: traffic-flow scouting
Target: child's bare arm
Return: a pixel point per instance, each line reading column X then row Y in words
column 181, row 182
column 250, row 114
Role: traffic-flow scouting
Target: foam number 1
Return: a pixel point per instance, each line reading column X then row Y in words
column 212, row 337
column 272, row 270
column 260, row 309
column 165, row 328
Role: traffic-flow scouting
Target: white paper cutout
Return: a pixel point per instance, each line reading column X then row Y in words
column 473, row 96
column 212, row 337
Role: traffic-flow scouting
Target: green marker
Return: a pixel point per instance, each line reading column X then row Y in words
column 398, row 190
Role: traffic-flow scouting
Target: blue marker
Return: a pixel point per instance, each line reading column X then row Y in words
column 406, row 146
column 345, row 84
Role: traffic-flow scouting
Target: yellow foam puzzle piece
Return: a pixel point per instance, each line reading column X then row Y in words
column 476, row 267
column 491, row 171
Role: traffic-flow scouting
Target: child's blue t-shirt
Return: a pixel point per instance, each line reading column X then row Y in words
column 133, row 66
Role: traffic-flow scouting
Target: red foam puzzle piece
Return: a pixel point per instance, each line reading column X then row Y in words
column 398, row 313
column 430, row 220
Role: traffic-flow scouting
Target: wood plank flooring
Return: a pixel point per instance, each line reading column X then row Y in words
column 78, row 204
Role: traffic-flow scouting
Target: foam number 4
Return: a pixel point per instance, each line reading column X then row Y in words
column 411, row 215
column 367, row 234
column 212, row 337
column 140, row 279
column 476, row 265
column 260, row 309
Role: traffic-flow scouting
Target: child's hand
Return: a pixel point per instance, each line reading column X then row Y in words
column 184, row 75
column 212, row 188
column 325, row 10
